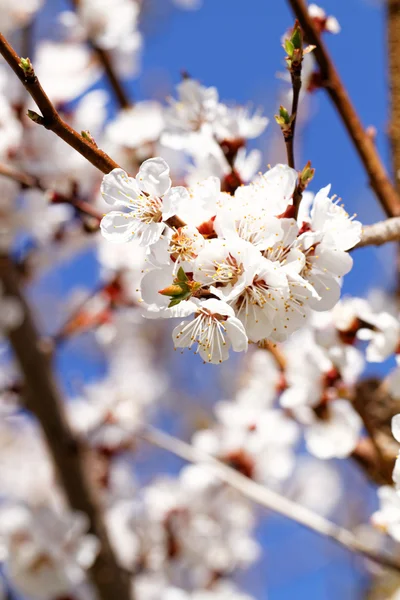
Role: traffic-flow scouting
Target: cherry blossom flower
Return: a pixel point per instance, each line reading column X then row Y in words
column 47, row 553
column 149, row 198
column 322, row 21
column 226, row 267
column 382, row 331
column 256, row 441
column 15, row 16
column 387, row 518
column 237, row 123
column 332, row 434
column 65, row 69
column 187, row 520
column 214, row 329
column 271, row 193
column 193, row 113
column 112, row 30
column 136, row 127
column 26, row 472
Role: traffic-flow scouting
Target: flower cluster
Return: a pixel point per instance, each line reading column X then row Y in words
column 245, row 265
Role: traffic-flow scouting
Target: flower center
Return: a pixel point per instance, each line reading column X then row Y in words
column 147, row 209
column 228, row 271
column 182, row 247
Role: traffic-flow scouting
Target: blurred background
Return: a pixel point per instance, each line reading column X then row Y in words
column 235, row 47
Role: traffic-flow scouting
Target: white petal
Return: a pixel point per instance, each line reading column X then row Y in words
column 396, row 428
column 218, row 307
column 117, row 188
column 173, row 200
column 153, row 177
column 151, row 233
column 294, row 262
column 152, row 282
column 279, row 184
column 336, row 437
column 118, row 227
column 237, row 334
column 329, row 290
column 335, row 261
column 320, row 207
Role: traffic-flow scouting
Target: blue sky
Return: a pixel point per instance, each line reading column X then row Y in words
column 235, row 45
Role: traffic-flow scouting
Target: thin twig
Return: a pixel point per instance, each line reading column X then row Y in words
column 44, row 401
column 105, row 60
column 363, row 143
column 30, row 181
column 84, row 207
column 50, row 117
column 266, row 497
column 289, row 140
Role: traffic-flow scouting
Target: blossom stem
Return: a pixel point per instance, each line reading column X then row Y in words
column 43, row 399
column 50, row 117
column 267, row 498
column 366, row 149
column 104, row 58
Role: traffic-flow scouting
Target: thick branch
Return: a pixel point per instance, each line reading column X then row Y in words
column 267, row 498
column 104, row 59
column 44, row 401
column 380, row 233
column 363, row 143
column 51, row 119
column 393, row 28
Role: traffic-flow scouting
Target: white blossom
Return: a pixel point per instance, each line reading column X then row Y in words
column 387, row 518
column 149, row 200
column 214, row 329
column 47, row 553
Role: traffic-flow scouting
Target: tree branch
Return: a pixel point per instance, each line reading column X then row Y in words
column 44, row 401
column 362, row 142
column 393, row 28
column 104, row 59
column 289, row 141
column 51, row 119
column 267, row 498
column 380, row 233
column 30, row 181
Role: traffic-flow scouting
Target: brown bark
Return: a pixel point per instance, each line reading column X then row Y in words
column 104, row 59
column 44, row 401
column 393, row 33
column 363, row 143
column 51, row 119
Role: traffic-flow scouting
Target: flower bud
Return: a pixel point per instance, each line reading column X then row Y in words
column 171, row 290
